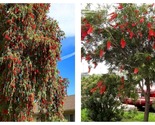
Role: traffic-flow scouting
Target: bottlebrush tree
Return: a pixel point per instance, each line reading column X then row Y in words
column 100, row 96
column 29, row 51
column 125, row 40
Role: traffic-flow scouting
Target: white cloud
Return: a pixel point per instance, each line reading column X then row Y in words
column 100, row 69
column 64, row 14
column 68, row 56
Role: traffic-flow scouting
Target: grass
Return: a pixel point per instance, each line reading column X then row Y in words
column 129, row 116
column 137, row 116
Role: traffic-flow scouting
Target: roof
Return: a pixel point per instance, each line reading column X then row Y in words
column 69, row 103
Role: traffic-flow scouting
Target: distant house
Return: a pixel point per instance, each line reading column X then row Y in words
column 84, row 74
column 69, row 108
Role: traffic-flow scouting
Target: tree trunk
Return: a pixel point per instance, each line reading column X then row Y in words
column 147, row 100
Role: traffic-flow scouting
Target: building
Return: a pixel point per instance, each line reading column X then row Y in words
column 69, row 108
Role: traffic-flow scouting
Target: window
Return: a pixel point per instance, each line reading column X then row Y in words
column 72, row 117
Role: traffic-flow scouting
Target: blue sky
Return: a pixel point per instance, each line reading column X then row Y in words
column 64, row 14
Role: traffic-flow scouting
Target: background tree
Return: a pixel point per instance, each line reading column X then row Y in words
column 29, row 52
column 125, row 40
column 100, row 97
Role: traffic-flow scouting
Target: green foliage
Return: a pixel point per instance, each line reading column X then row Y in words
column 136, row 116
column 130, row 114
column 85, row 115
column 102, row 105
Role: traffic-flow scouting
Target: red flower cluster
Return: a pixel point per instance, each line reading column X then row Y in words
column 100, row 86
column 86, row 29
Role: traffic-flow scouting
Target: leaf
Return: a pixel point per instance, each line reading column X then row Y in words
column 123, row 43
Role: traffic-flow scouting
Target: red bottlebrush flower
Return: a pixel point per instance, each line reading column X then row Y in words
column 16, row 10
column 90, row 30
column 154, row 46
column 62, row 103
column 23, row 118
column 93, row 90
column 123, row 43
column 131, row 35
column 148, row 58
column 149, row 37
column 122, row 86
column 111, row 13
column 113, row 16
column 101, row 53
column 140, row 34
column 114, row 26
column 7, row 37
column 120, row 6
column 134, row 24
column 9, row 21
column 9, row 66
column 136, row 70
column 13, row 85
column 95, row 64
column 32, row 15
column 99, row 84
column 89, row 69
column 83, row 35
column 151, row 32
column 149, row 25
column 121, row 68
column 87, row 41
column 136, row 11
column 122, row 79
column 142, row 20
column 88, row 57
column 122, row 26
column 102, row 89
column 108, row 45
column 5, row 111
column 34, row 26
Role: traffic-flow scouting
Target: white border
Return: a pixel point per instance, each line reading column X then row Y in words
column 78, row 68
column 77, row 1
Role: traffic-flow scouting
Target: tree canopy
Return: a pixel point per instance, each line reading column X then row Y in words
column 124, row 39
column 29, row 51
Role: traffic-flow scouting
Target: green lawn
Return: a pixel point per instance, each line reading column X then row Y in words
column 137, row 116
column 129, row 116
